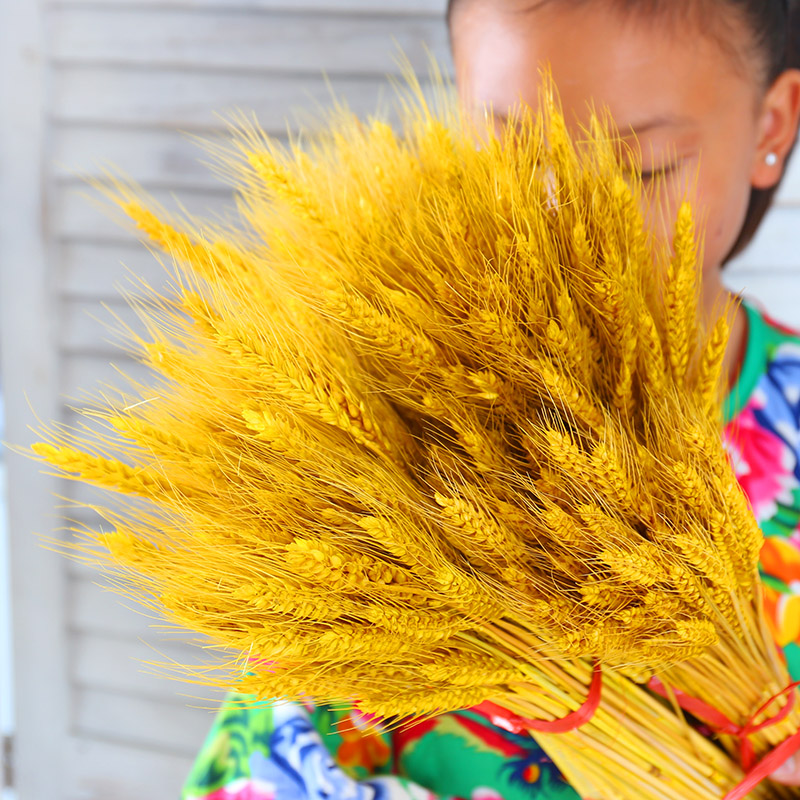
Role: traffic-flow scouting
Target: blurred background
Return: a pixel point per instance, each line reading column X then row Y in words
column 121, row 80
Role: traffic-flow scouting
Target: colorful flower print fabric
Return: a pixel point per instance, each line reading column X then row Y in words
column 260, row 753
column 297, row 751
column 302, row 752
column 763, row 439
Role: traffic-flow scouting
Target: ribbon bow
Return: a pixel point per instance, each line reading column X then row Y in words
column 756, row 772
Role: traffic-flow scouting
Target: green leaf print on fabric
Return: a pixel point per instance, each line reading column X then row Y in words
column 465, row 757
column 792, row 653
column 786, row 519
column 238, row 731
column 775, row 583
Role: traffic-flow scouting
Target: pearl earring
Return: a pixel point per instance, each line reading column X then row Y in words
column 771, row 159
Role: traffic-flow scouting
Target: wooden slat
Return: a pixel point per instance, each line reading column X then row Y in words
column 79, row 571
column 131, row 666
column 352, row 45
column 96, row 608
column 157, row 156
column 96, row 271
column 373, row 7
column 188, row 100
column 98, row 769
column 173, row 728
column 78, row 214
column 83, row 374
column 85, row 327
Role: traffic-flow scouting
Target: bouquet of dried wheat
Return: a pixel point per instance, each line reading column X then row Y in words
column 438, row 426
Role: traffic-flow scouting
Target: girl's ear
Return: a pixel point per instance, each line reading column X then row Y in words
column 777, row 129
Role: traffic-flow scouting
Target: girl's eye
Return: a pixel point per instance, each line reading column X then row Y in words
column 647, row 175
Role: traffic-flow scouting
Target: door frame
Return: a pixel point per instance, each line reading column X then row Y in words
column 28, row 359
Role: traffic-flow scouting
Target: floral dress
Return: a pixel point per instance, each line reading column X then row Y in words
column 302, row 752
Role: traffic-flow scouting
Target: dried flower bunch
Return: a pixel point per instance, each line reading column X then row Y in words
column 438, row 425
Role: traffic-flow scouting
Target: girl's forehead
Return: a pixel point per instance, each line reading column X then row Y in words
column 648, row 75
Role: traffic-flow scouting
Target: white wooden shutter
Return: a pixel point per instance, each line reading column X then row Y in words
column 117, row 81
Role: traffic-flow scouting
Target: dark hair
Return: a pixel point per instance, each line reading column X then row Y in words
column 775, row 29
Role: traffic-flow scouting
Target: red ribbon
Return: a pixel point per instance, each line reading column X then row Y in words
column 756, row 772
column 570, row 722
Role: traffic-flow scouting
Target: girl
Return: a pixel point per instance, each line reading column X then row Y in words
column 709, row 89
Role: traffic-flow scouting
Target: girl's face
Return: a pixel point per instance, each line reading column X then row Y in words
column 697, row 114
